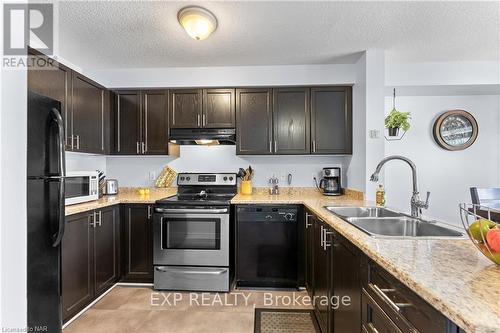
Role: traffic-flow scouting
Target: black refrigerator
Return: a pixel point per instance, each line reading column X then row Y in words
column 45, row 212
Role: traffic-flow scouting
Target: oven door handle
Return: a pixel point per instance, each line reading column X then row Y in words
column 192, row 210
column 185, row 271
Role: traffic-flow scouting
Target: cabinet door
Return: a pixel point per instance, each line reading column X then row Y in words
column 346, row 283
column 77, row 264
column 185, row 108
column 128, row 122
column 106, row 248
column 138, row 248
column 321, row 277
column 254, row 122
column 88, row 115
column 309, row 253
column 291, row 121
column 155, row 113
column 218, row 108
column 54, row 83
column 331, row 120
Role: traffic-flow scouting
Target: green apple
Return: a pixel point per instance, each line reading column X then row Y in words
column 480, row 228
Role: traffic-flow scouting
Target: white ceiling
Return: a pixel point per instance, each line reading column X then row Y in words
column 146, row 34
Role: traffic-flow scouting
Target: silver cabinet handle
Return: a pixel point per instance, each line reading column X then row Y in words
column 96, row 219
column 143, row 146
column 321, row 234
column 204, row 120
column 91, row 219
column 137, row 147
column 150, row 214
column 275, row 146
column 77, row 137
column 307, row 220
column 371, row 327
column 326, row 244
column 382, row 294
column 185, row 271
column 271, row 146
column 192, row 211
column 314, row 146
column 198, row 120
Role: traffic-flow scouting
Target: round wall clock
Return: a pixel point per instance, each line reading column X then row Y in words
column 455, row 130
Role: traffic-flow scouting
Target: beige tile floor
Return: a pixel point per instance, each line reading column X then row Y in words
column 140, row 309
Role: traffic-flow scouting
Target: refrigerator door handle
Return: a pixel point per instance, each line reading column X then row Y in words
column 57, row 238
column 60, row 141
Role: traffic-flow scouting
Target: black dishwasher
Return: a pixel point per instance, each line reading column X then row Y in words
column 266, row 246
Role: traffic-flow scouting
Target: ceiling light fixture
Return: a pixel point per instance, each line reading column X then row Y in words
column 198, row 22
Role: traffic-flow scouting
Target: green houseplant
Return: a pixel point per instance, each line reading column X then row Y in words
column 396, row 120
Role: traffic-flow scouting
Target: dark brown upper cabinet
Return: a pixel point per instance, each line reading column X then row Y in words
column 54, row 83
column 218, row 108
column 141, row 122
column 155, row 117
column 84, row 104
column 128, row 122
column 88, row 113
column 186, row 108
column 291, row 117
column 254, row 131
column 331, row 120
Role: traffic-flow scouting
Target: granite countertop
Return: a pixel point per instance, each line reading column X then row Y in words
column 125, row 195
column 451, row 275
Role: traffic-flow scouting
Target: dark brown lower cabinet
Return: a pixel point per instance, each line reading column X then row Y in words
column 321, row 290
column 76, row 264
column 363, row 297
column 137, row 246
column 89, row 257
column 346, row 284
column 390, row 306
column 309, row 252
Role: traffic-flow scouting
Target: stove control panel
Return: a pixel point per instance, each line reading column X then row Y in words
column 206, row 179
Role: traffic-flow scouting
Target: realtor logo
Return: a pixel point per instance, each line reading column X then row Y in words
column 28, row 24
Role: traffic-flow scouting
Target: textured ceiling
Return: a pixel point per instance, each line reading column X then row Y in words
column 146, row 34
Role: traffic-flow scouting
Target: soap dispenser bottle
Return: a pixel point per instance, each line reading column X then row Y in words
column 380, row 196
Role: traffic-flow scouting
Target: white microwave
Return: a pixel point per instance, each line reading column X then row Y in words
column 81, row 186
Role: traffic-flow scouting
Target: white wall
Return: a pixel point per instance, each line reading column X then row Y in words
column 448, row 175
column 13, row 199
column 443, row 73
column 134, row 171
column 85, row 162
column 232, row 76
column 357, row 162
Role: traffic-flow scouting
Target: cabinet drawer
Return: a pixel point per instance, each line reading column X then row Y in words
column 376, row 320
column 407, row 310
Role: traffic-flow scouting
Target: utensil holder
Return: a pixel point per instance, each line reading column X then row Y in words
column 246, row 187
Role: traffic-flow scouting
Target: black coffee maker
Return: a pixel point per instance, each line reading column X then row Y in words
column 330, row 183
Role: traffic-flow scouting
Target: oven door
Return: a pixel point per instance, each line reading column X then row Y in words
column 194, row 236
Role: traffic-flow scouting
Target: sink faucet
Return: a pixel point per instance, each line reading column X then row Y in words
column 416, row 203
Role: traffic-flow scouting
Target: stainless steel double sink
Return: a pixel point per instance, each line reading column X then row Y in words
column 384, row 223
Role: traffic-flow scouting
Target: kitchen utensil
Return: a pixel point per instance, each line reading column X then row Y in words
column 166, row 178
column 478, row 223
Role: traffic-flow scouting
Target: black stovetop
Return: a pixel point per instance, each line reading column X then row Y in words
column 197, row 199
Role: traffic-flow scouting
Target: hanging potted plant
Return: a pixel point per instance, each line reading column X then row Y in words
column 397, row 120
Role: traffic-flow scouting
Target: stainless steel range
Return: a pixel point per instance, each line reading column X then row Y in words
column 191, row 234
